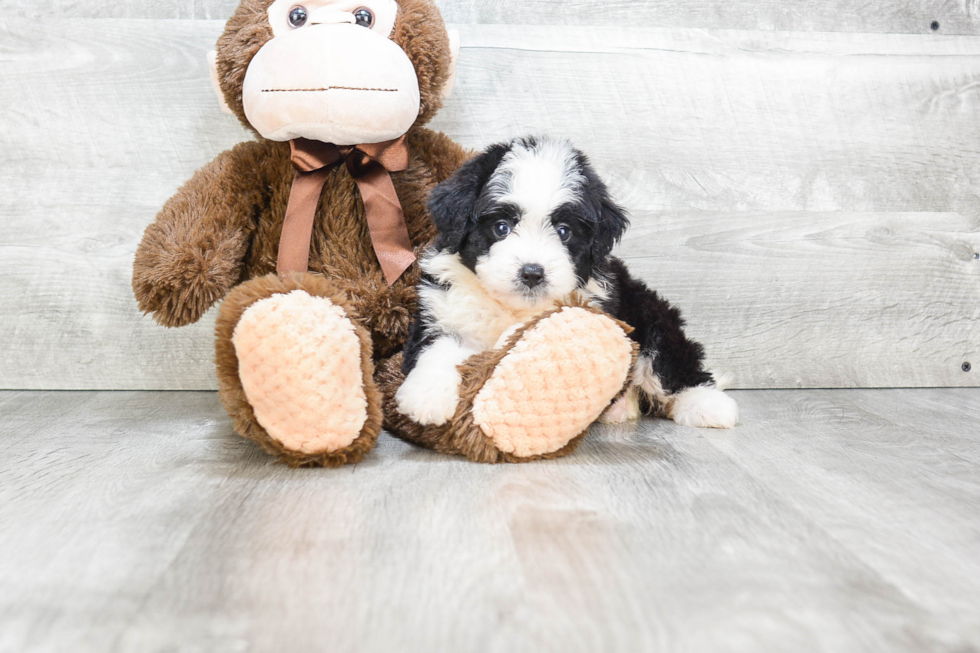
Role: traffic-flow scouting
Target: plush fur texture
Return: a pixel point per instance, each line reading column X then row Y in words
column 523, row 227
column 544, row 393
column 220, row 232
column 222, row 227
column 462, row 434
column 233, row 395
column 300, row 364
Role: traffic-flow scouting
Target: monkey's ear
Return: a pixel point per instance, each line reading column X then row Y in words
column 447, row 89
column 215, row 84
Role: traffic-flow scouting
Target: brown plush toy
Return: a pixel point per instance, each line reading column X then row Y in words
column 311, row 233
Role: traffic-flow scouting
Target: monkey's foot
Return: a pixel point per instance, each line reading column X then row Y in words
column 295, row 371
column 532, row 398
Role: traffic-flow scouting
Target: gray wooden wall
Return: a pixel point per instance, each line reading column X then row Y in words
column 804, row 176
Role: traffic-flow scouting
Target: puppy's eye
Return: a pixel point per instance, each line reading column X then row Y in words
column 297, row 16
column 501, row 229
column 564, row 232
column 364, row 17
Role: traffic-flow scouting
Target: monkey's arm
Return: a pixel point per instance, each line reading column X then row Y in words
column 193, row 253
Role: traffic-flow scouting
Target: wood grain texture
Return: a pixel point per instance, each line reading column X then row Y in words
column 884, row 16
column 809, row 200
column 813, row 299
column 827, row 521
column 101, row 121
column 887, row 16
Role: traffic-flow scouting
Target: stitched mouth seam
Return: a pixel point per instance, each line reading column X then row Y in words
column 328, row 88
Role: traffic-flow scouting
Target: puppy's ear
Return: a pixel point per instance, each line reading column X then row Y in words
column 452, row 204
column 612, row 224
column 610, row 219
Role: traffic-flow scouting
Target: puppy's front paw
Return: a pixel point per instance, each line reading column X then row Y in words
column 704, row 407
column 428, row 404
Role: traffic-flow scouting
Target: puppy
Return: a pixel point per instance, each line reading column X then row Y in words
column 523, row 227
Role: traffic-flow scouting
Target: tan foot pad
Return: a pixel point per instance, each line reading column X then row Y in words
column 546, row 391
column 299, row 361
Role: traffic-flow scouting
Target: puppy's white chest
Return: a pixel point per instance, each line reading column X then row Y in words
column 477, row 319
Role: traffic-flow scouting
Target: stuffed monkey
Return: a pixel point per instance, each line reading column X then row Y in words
column 310, row 233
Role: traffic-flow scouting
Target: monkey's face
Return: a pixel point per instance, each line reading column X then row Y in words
column 331, row 72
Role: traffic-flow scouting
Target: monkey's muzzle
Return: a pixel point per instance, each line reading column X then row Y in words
column 340, row 84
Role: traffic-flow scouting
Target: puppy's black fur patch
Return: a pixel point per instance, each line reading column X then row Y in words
column 453, row 203
column 420, row 334
column 658, row 329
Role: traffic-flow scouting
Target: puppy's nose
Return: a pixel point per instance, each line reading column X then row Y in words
column 532, row 274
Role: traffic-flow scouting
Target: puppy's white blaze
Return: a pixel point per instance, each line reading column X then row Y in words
column 430, row 392
column 538, row 179
column 704, row 406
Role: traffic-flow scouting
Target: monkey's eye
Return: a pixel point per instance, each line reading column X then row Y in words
column 364, row 17
column 501, row 229
column 297, row 16
column 564, row 232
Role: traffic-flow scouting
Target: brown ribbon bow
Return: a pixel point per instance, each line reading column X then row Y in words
column 369, row 165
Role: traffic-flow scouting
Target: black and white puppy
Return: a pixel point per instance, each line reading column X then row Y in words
column 524, row 226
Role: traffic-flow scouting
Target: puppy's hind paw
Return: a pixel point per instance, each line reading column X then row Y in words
column 704, row 407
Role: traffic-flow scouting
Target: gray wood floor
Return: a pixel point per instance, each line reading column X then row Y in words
column 829, row 521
